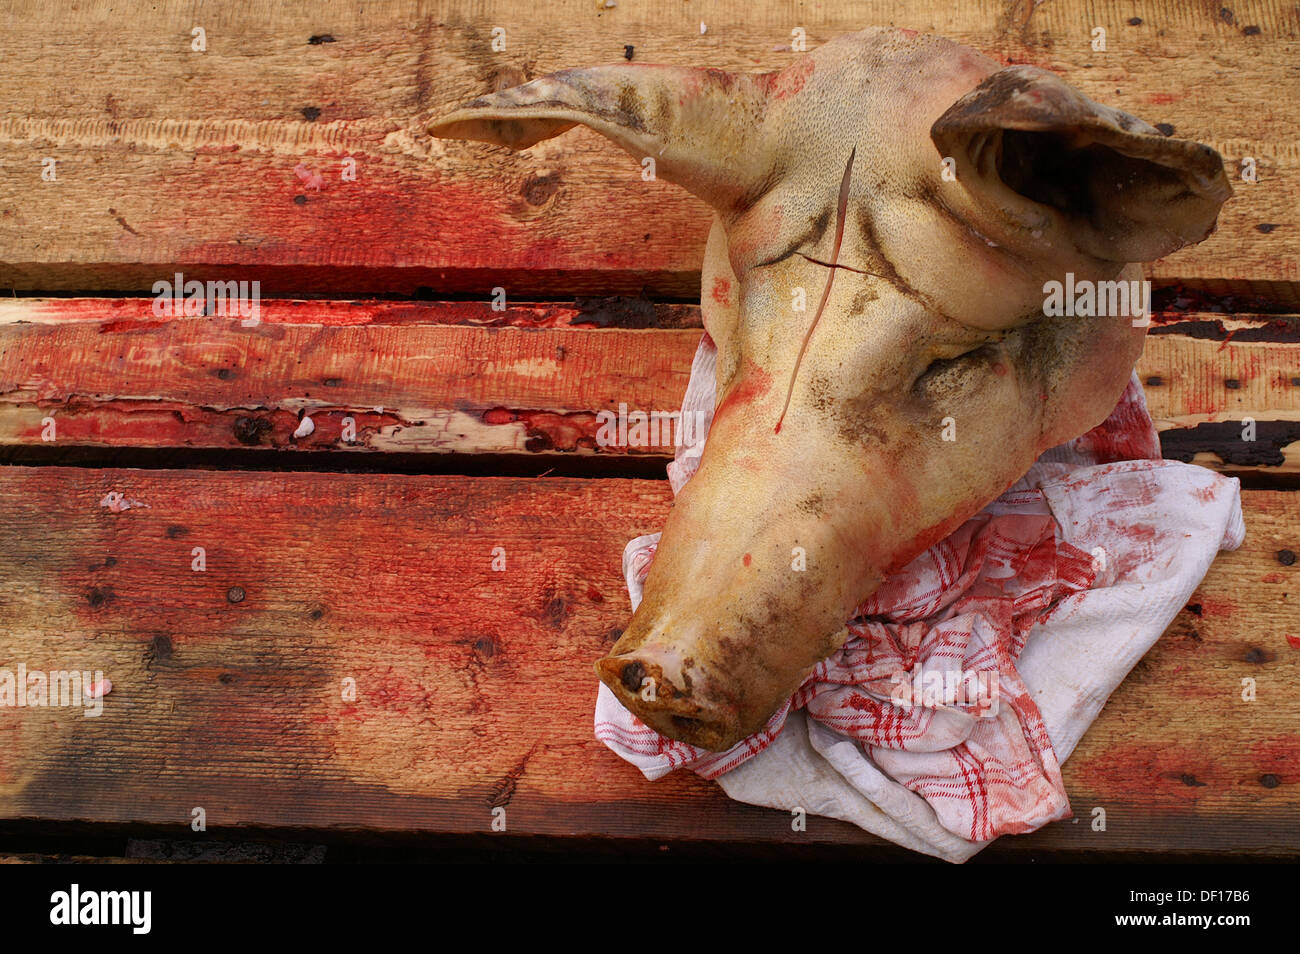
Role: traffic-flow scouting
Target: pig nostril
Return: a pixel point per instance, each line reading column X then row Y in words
column 632, row 676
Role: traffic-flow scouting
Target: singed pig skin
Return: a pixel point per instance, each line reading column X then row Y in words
column 935, row 316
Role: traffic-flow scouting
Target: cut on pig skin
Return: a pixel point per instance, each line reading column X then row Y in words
column 888, row 211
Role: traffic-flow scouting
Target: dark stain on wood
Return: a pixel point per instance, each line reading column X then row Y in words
column 503, row 790
column 1223, row 438
column 122, row 222
column 159, row 649
column 486, row 649
column 556, row 611
column 1275, row 331
column 537, row 190
column 249, row 430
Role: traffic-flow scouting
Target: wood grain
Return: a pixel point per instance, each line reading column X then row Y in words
column 204, row 161
column 459, row 377
column 474, row 687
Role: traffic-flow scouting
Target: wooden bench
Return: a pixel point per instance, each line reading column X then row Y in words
column 159, row 520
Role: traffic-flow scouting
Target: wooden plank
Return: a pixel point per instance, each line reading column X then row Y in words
column 458, row 377
column 107, row 373
column 474, row 687
column 173, row 159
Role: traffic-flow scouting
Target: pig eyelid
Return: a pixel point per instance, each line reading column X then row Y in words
column 940, row 363
column 818, row 261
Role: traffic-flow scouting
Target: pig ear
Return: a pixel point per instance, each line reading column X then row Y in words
column 1043, row 152
column 699, row 126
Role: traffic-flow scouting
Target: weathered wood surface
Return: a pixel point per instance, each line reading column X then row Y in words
column 474, row 687
column 461, row 378
column 172, row 159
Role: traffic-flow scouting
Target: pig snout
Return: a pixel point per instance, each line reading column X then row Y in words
column 705, row 685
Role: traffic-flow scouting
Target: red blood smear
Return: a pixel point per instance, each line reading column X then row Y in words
column 721, row 290
column 1127, row 434
column 789, row 81
column 1216, row 607
column 748, row 558
column 754, row 383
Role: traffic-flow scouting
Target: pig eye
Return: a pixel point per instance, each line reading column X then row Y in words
column 956, row 373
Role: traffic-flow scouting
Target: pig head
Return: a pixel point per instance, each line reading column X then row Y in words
column 888, row 210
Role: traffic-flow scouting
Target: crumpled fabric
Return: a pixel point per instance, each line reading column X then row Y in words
column 972, row 673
